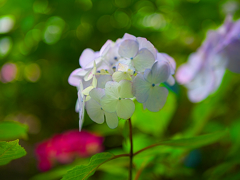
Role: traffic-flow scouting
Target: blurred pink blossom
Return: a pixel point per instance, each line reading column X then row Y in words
column 63, row 148
column 8, row 72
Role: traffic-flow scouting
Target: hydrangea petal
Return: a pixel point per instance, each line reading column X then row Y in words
column 96, row 94
column 90, row 73
column 76, row 76
column 125, row 90
column 118, row 76
column 171, row 80
column 112, row 89
column 129, row 36
column 77, row 106
column 125, row 108
column 144, row 43
column 111, row 119
column 94, row 111
column 169, row 59
column 108, row 103
column 159, row 73
column 86, row 57
column 141, row 88
column 105, row 48
column 97, row 60
column 127, row 62
column 102, row 80
column 201, row 86
column 157, row 98
column 232, row 53
column 184, row 74
column 143, row 60
column 81, row 106
column 87, row 90
column 128, row 48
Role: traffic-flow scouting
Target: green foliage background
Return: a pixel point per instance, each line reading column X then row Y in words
column 46, row 41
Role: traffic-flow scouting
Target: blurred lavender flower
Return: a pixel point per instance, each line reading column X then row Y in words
column 203, row 73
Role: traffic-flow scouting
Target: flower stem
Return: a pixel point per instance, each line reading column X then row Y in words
column 131, row 150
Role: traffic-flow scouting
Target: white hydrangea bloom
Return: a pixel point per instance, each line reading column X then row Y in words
column 81, row 105
column 146, row 86
column 96, row 112
column 122, row 71
column 117, row 98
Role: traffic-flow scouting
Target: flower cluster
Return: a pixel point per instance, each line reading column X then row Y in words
column 123, row 71
column 65, row 147
column 203, row 73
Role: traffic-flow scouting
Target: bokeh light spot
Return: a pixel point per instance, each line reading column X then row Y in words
column 84, row 4
column 53, row 30
column 155, row 21
column 104, row 24
column 123, row 3
column 8, row 72
column 32, row 72
column 6, row 23
column 120, row 19
column 40, row 6
column 84, row 31
column 5, row 46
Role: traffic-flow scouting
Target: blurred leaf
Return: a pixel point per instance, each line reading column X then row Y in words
column 154, row 123
column 198, row 141
column 11, row 130
column 139, row 141
column 119, row 165
column 58, row 172
column 194, row 142
column 85, row 171
column 10, row 151
column 219, row 171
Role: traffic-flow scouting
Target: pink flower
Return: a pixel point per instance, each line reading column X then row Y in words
column 65, row 147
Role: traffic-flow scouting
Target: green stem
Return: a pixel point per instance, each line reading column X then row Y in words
column 131, row 150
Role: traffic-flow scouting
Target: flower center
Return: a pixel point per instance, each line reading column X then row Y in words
column 119, row 98
column 153, row 85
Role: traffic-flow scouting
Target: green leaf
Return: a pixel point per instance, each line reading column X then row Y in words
column 198, row 141
column 154, row 123
column 85, row 171
column 11, row 130
column 10, row 151
column 58, row 172
column 194, row 142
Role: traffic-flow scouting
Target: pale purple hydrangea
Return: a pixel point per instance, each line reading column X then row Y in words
column 110, row 80
column 203, row 73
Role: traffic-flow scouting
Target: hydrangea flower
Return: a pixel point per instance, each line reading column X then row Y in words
column 135, row 54
column 96, row 111
column 203, row 72
column 146, row 86
column 80, row 105
column 121, row 72
column 65, row 147
column 117, row 98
